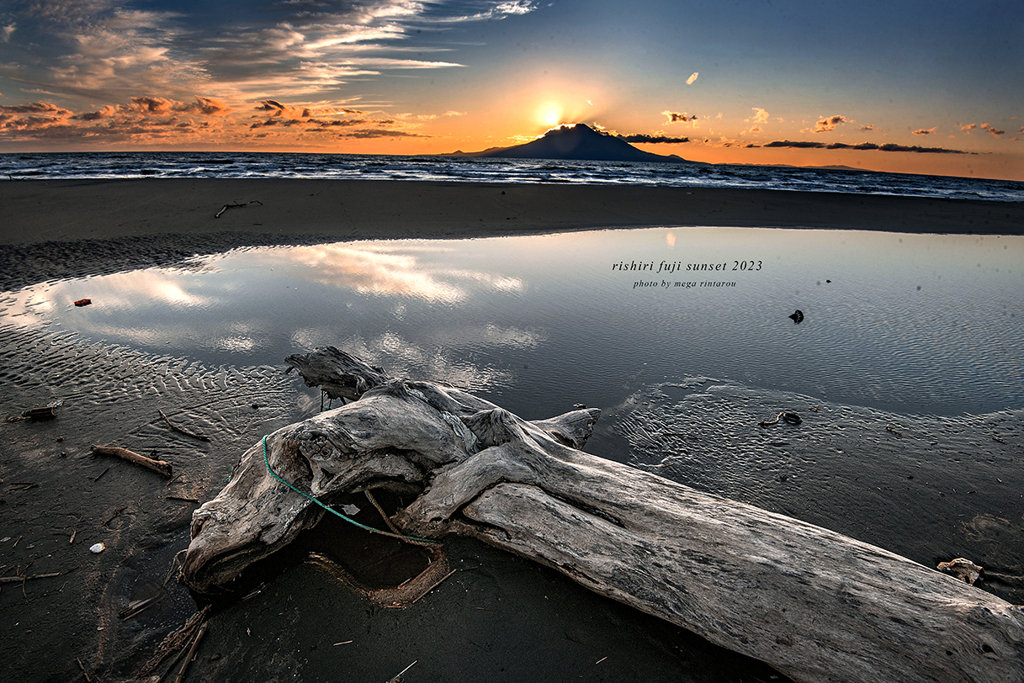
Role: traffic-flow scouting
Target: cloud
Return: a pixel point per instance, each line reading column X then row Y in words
column 105, row 51
column 993, row 130
column 969, row 127
column 924, row 131
column 863, row 146
column 830, row 123
column 676, row 117
column 370, row 133
column 651, row 139
column 276, row 108
column 141, row 118
column 33, row 108
column 760, row 115
column 867, row 129
column 692, row 78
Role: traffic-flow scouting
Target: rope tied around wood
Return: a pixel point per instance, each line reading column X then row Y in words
column 408, row 539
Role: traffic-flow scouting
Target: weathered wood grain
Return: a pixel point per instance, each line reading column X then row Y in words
column 814, row 604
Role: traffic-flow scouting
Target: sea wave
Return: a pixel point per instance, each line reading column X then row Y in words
column 97, row 165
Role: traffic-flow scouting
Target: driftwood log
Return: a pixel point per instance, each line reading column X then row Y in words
column 160, row 466
column 814, row 604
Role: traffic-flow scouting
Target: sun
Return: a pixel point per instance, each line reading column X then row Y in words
column 549, row 114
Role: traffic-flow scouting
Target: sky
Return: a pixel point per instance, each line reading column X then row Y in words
column 910, row 86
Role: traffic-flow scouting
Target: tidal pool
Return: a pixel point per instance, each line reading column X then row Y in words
column 925, row 324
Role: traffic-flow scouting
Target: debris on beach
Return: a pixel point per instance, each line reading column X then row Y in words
column 237, row 206
column 97, row 548
column 47, row 412
column 785, row 416
column 797, row 317
column 44, row 413
column 398, row 678
column 963, row 569
column 160, row 466
column 182, row 430
column 83, row 302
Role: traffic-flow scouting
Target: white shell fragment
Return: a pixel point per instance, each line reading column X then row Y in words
column 97, row 548
column 962, row 568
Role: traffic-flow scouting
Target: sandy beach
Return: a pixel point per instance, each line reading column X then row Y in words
column 75, row 228
column 499, row 618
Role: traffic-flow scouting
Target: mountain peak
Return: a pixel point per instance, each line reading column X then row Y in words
column 576, row 142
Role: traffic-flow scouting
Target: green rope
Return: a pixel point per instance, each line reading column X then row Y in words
column 411, row 539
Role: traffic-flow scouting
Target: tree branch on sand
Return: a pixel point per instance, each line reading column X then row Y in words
column 812, row 603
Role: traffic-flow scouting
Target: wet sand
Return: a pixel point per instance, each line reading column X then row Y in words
column 77, row 228
column 497, row 618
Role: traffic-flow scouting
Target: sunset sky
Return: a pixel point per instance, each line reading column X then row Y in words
column 900, row 85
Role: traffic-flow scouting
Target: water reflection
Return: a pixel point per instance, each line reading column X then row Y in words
column 918, row 323
column 388, row 270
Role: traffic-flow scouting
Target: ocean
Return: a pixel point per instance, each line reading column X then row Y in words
column 89, row 165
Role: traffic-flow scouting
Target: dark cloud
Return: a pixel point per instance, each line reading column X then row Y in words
column 161, row 106
column 91, row 116
column 272, row 106
column 33, row 108
column 676, row 117
column 864, row 146
column 992, row 129
column 830, row 123
column 208, row 106
column 651, row 139
column 369, row 133
column 798, row 144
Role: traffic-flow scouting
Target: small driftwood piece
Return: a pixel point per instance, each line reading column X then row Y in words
column 160, row 466
column 174, row 642
column 182, row 430
column 815, row 605
column 20, row 579
column 236, row 206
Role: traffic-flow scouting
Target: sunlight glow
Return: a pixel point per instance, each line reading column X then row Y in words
column 549, row 114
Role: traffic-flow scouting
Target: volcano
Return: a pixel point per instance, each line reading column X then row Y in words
column 578, row 142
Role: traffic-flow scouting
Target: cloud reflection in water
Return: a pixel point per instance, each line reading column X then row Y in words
column 381, row 270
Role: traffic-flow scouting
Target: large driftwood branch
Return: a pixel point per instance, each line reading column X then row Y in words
column 814, row 604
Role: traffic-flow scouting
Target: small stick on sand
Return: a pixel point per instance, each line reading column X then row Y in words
column 85, row 673
column 117, row 512
column 184, row 431
column 237, row 206
column 20, row 579
column 160, row 466
column 398, row 678
column 191, row 652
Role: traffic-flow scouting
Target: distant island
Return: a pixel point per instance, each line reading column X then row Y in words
column 578, row 142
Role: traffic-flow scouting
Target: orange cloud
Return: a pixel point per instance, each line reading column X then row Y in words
column 924, row 131
column 676, row 117
column 830, row 123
